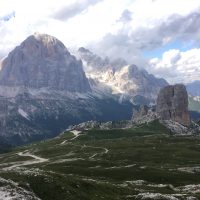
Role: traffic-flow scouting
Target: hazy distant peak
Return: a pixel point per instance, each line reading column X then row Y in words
column 84, row 50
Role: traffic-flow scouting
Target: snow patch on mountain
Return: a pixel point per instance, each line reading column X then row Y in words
column 197, row 98
column 23, row 113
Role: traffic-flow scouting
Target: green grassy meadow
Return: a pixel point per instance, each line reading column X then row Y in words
column 110, row 164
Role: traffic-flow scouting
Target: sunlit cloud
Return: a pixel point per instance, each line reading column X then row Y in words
column 123, row 28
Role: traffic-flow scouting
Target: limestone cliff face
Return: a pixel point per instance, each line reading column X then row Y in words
column 172, row 103
column 43, row 61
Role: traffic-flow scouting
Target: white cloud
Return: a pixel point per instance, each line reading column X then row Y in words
column 151, row 25
column 74, row 9
column 89, row 25
column 148, row 13
column 87, row 21
column 176, row 66
column 123, row 28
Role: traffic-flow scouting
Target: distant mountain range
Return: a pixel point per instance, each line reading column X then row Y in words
column 44, row 89
column 194, row 88
column 120, row 77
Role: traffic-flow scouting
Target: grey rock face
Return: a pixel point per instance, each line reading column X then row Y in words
column 143, row 110
column 43, row 61
column 145, row 114
column 172, row 104
column 140, row 82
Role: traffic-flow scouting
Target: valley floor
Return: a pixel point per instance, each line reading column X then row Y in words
column 141, row 163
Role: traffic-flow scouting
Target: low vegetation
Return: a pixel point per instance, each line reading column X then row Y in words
column 146, row 162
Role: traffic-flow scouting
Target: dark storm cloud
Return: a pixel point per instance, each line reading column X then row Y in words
column 185, row 29
column 74, row 9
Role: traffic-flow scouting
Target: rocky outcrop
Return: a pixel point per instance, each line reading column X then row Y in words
column 143, row 110
column 172, row 104
column 101, row 125
column 43, row 61
column 145, row 114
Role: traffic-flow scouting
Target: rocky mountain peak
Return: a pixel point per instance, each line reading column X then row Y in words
column 43, row 45
column 93, row 61
column 119, row 76
column 43, row 61
column 139, row 82
column 172, row 104
column 131, row 71
column 84, row 50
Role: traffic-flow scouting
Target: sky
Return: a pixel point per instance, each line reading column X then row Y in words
column 162, row 36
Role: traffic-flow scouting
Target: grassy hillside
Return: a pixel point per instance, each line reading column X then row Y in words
column 142, row 163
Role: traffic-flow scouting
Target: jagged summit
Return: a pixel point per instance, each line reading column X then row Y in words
column 120, row 76
column 43, row 61
column 93, row 61
column 84, row 50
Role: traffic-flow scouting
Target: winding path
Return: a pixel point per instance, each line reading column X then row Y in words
column 76, row 134
column 36, row 160
column 95, row 154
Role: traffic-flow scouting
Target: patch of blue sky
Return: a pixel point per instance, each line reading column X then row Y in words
column 7, row 17
column 176, row 44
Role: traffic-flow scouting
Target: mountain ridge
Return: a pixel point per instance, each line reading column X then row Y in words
column 121, row 78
